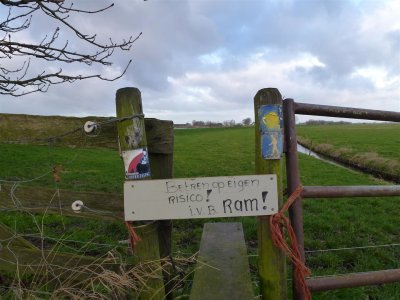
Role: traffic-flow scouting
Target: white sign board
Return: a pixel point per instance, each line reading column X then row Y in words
column 207, row 197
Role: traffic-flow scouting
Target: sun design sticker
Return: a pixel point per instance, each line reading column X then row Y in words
column 271, row 124
column 271, row 120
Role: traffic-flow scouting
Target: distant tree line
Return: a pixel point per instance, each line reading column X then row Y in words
column 323, row 122
column 226, row 123
column 249, row 122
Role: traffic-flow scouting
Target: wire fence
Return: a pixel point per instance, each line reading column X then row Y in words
column 52, row 173
column 92, row 127
column 90, row 130
column 38, row 234
column 52, row 169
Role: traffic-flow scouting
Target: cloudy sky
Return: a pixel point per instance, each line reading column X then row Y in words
column 206, row 59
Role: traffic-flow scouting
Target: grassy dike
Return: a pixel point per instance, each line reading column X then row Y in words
column 373, row 148
column 328, row 223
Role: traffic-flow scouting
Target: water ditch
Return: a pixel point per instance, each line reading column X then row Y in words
column 386, row 177
column 309, row 152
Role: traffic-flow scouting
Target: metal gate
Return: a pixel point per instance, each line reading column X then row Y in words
column 290, row 108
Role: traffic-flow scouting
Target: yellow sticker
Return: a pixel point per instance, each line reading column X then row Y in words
column 271, row 120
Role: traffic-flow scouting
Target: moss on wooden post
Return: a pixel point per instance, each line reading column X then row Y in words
column 272, row 262
column 131, row 132
column 132, row 137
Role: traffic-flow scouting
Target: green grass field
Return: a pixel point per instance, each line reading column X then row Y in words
column 374, row 146
column 328, row 223
column 81, row 169
column 382, row 138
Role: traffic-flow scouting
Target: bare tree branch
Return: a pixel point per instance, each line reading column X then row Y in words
column 17, row 81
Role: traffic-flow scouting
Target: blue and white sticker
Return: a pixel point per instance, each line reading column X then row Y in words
column 271, row 124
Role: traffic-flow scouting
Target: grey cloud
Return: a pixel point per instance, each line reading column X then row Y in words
column 326, row 77
column 177, row 33
column 394, row 39
column 329, row 30
column 173, row 36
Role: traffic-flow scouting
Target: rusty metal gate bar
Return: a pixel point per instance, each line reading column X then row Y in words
column 290, row 108
column 353, row 280
column 293, row 181
column 350, row 191
column 345, row 112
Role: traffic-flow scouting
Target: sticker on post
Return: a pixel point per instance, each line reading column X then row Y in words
column 271, row 145
column 136, row 163
column 271, row 124
column 270, row 118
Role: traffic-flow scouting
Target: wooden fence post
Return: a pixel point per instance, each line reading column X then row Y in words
column 161, row 135
column 272, row 262
column 133, row 147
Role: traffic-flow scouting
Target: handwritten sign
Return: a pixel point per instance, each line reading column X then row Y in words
column 207, row 197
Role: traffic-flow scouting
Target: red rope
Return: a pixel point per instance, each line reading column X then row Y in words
column 277, row 222
column 134, row 238
column 56, row 173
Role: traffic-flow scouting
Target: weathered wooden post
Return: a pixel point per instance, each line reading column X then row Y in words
column 133, row 148
column 268, row 130
column 160, row 136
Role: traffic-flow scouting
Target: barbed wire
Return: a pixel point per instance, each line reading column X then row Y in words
column 36, row 209
column 120, row 244
column 5, row 288
column 20, row 207
column 334, row 275
column 17, row 205
column 340, row 275
column 76, row 130
column 98, row 212
column 53, row 139
column 115, row 120
column 25, row 180
column 343, row 249
column 352, row 248
column 52, row 165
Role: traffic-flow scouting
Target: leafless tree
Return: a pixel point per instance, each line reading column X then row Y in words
column 246, row 121
column 24, row 78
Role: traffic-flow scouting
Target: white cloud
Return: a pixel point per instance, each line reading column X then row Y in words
column 379, row 77
column 385, row 18
column 215, row 58
column 205, row 60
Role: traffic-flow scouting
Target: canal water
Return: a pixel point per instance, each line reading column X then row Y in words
column 311, row 153
column 327, row 159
